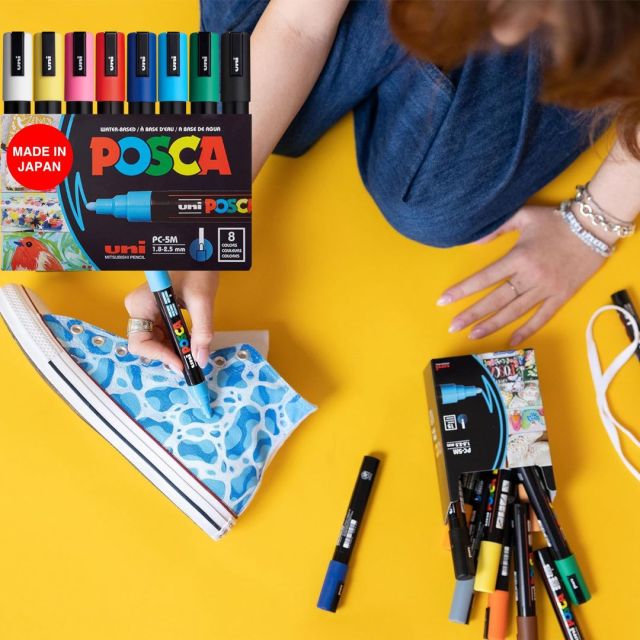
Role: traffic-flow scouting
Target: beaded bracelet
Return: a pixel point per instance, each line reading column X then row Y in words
column 598, row 217
column 597, row 245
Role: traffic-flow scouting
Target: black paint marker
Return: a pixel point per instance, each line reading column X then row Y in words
column 622, row 299
column 235, row 76
column 566, row 563
column 463, row 567
column 557, row 595
column 337, row 571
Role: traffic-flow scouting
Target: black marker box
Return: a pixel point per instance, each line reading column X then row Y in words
column 486, row 412
column 199, row 165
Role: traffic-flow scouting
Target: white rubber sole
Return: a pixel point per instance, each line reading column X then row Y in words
column 22, row 313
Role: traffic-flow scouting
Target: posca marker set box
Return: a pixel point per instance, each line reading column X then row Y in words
column 494, row 468
column 134, row 190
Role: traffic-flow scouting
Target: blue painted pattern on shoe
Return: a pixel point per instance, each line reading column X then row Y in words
column 254, row 409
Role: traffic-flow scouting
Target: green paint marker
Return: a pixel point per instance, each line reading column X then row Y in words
column 565, row 561
column 204, row 72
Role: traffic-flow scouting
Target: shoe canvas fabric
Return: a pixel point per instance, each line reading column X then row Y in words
column 254, row 409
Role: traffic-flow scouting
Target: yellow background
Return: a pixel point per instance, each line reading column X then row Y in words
column 90, row 550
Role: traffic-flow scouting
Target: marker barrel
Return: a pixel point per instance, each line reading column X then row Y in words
column 141, row 72
column 204, row 72
column 491, row 546
column 79, row 66
column 557, row 595
column 523, row 570
column 497, row 612
column 565, row 561
column 336, row 573
column 463, row 566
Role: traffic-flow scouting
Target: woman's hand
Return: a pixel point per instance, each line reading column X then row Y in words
column 195, row 291
column 547, row 265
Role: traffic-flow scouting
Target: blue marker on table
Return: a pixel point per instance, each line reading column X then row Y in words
column 160, row 285
column 141, row 72
column 337, row 570
column 173, row 76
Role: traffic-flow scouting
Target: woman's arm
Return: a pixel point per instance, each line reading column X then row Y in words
column 289, row 48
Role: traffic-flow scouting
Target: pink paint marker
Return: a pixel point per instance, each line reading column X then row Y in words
column 79, row 72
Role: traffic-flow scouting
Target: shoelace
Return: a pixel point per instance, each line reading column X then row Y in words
column 602, row 380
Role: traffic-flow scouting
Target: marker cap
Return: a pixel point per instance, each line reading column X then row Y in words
column 48, row 67
column 79, row 67
column 172, row 67
column 488, row 563
column 498, row 612
column 527, row 628
column 573, row 580
column 204, row 67
column 110, row 67
column 158, row 280
column 461, row 602
column 141, row 67
column 17, row 69
column 332, row 586
column 235, row 82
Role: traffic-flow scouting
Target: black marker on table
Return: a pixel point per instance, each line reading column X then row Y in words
column 557, row 595
column 622, row 299
column 523, row 570
column 17, row 72
column 48, row 76
column 337, row 571
column 463, row 565
column 235, row 75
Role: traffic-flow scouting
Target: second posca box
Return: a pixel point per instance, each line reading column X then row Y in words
column 162, row 192
column 486, row 413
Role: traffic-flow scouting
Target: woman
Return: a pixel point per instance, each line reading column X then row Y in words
column 450, row 156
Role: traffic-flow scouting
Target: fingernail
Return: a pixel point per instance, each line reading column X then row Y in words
column 444, row 300
column 456, row 325
column 476, row 333
column 202, row 357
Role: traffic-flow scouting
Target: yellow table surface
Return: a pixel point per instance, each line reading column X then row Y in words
column 89, row 549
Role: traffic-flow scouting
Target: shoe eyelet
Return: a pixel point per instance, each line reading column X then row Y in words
column 76, row 329
column 219, row 361
column 144, row 361
column 243, row 354
column 167, row 367
column 121, row 350
column 97, row 341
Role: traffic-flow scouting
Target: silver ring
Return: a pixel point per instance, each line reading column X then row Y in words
column 513, row 286
column 139, row 325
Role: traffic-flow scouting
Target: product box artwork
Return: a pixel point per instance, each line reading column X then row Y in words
column 110, row 192
column 486, row 413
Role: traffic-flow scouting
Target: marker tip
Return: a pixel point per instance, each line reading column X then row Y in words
column 91, row 206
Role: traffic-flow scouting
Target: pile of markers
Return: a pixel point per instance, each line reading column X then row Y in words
column 490, row 538
column 47, row 69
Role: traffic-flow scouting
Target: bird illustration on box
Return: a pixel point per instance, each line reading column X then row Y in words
column 33, row 255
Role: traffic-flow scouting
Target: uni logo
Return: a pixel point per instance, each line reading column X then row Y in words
column 158, row 155
column 126, row 249
column 181, row 334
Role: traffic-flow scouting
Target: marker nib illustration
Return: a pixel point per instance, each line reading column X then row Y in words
column 91, row 206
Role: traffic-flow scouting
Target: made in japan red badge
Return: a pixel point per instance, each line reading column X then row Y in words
column 39, row 157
